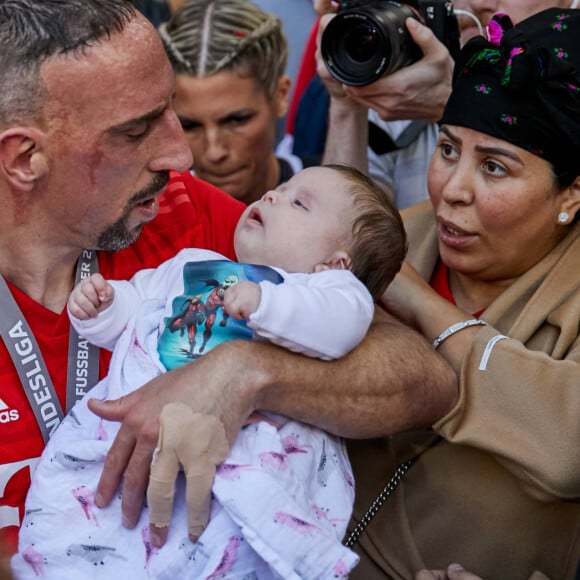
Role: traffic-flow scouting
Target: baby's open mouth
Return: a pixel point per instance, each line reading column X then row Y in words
column 255, row 215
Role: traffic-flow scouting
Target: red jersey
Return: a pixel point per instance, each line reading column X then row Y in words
column 192, row 213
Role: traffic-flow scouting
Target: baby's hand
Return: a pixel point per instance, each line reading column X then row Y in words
column 90, row 296
column 242, row 299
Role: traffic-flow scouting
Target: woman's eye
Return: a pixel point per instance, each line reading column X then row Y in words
column 236, row 120
column 188, row 124
column 494, row 168
column 448, row 151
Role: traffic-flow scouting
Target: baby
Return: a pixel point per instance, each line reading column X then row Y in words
column 312, row 256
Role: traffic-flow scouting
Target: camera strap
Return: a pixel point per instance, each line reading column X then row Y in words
column 382, row 143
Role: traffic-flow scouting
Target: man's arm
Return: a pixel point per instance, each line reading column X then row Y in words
column 392, row 382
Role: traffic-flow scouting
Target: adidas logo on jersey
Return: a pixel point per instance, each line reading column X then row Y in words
column 7, row 415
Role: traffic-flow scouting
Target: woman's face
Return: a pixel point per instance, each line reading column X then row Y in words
column 230, row 124
column 496, row 205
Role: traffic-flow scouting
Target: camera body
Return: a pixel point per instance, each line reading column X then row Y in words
column 368, row 39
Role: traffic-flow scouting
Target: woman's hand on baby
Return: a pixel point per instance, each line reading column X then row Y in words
column 90, row 296
column 242, row 299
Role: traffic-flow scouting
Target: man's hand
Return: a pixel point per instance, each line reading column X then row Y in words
column 214, row 386
column 335, row 89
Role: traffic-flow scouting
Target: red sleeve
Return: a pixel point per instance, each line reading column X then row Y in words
column 305, row 74
column 192, row 214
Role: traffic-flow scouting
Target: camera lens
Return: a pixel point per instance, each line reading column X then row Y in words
column 360, row 46
column 362, row 43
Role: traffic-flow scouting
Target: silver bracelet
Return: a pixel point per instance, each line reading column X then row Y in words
column 456, row 328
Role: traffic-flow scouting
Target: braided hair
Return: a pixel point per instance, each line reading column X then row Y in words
column 205, row 37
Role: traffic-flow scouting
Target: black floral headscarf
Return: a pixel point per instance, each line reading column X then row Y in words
column 522, row 85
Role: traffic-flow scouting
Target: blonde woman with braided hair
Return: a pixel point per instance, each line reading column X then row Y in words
column 230, row 57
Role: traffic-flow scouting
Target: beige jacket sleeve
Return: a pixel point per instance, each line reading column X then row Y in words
column 520, row 381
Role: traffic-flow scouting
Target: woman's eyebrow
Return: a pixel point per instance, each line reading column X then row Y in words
column 499, row 151
column 483, row 149
column 450, row 135
column 236, row 114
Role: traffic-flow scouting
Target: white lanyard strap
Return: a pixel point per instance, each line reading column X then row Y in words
column 83, row 357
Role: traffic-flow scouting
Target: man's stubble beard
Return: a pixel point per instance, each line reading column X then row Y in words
column 118, row 236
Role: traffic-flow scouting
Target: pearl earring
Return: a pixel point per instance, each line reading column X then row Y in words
column 563, row 217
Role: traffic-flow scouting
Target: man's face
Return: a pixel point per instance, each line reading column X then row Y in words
column 112, row 137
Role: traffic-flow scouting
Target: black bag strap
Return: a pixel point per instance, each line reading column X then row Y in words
column 382, row 143
column 384, row 495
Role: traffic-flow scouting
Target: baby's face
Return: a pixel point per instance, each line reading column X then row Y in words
column 299, row 224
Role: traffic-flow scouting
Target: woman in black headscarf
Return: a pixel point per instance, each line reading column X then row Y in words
column 494, row 284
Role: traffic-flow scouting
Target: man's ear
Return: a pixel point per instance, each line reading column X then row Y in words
column 338, row 261
column 22, row 158
column 571, row 200
column 282, row 95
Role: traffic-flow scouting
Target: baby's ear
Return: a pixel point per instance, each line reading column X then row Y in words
column 338, row 261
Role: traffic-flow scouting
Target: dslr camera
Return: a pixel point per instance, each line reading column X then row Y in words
column 367, row 40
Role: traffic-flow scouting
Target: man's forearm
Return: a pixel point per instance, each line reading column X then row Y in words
column 392, row 382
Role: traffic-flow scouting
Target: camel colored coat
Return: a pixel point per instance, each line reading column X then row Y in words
column 500, row 493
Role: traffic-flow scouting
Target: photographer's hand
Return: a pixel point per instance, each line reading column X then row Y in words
column 335, row 89
column 418, row 91
column 323, row 6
